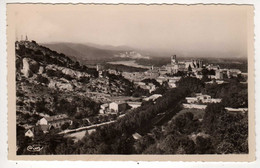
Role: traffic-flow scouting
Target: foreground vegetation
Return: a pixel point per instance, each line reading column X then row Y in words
column 217, row 132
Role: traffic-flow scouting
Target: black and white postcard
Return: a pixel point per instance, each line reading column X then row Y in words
column 131, row 82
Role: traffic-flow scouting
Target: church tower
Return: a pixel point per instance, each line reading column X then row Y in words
column 173, row 59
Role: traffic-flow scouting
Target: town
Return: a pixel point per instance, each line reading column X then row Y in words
column 93, row 98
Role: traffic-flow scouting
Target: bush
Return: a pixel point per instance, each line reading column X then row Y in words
column 65, row 126
column 42, row 79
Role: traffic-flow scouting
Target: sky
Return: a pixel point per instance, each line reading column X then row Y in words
column 211, row 31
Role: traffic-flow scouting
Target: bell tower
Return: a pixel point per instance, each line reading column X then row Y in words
column 173, row 59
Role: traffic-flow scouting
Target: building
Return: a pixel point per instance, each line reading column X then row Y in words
column 213, row 67
column 183, row 66
column 173, row 60
column 233, row 73
column 151, row 87
column 29, row 133
column 54, row 121
column 194, row 106
column 100, row 70
column 134, row 104
column 172, row 81
column 219, row 74
column 166, row 69
column 172, row 84
column 206, row 98
column 152, row 73
column 134, row 76
column 216, row 82
column 103, row 108
column 236, row 110
column 161, row 79
column 117, row 106
column 115, row 72
column 193, row 64
column 199, row 75
column 191, row 99
column 201, row 98
column 180, row 67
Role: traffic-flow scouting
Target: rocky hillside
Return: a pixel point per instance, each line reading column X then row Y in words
column 48, row 83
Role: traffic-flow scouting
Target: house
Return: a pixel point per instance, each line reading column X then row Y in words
column 152, row 73
column 194, row 106
column 219, row 74
column 134, row 104
column 233, row 73
column 161, row 79
column 213, row 67
column 191, row 99
column 117, row 106
column 201, row 98
column 103, row 108
column 56, row 121
column 164, row 70
column 215, row 100
column 199, row 75
column 216, row 82
column 29, row 133
column 172, row 84
column 236, row 110
column 206, row 98
column 151, row 87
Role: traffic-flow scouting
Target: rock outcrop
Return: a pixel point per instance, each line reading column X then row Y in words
column 68, row 71
column 60, row 85
column 30, row 67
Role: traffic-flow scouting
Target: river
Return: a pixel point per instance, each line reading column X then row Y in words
column 131, row 63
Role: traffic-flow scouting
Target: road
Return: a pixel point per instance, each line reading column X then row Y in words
column 86, row 128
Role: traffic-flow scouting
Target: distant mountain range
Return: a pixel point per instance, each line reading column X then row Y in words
column 89, row 51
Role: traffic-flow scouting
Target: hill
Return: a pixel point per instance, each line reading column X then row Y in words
column 42, row 74
column 88, row 53
column 82, row 52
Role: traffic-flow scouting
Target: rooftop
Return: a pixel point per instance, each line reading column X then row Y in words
column 56, row 117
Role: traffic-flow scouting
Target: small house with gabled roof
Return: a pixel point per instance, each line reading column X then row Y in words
column 54, row 121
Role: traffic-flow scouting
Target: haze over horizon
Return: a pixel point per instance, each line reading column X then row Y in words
column 203, row 31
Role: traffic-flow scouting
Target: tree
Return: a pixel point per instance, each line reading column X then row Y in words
column 189, row 68
column 212, row 112
column 204, row 145
column 143, row 143
column 190, row 83
column 65, row 126
column 169, row 145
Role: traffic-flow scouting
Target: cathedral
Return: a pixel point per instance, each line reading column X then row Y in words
column 176, row 65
